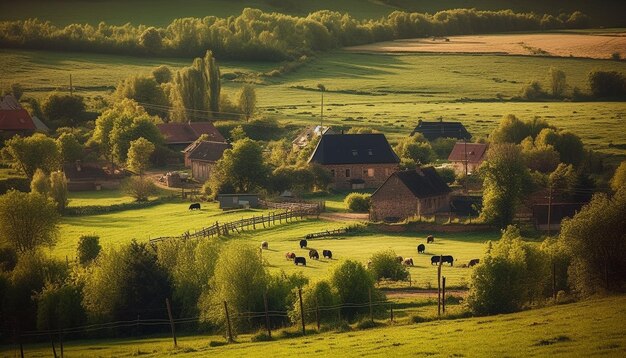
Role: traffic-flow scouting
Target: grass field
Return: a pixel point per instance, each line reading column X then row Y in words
column 587, row 328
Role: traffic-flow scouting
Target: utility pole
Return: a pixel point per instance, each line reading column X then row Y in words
column 71, row 87
column 549, row 208
column 322, row 89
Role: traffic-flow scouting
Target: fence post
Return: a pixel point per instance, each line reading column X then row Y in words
column 267, row 316
column 253, row 222
column 369, row 293
column 439, row 286
column 301, row 311
column 317, row 314
column 443, row 294
column 19, row 338
column 230, row 332
column 391, row 314
column 54, row 351
column 169, row 314
column 217, row 226
column 262, row 221
column 553, row 280
column 61, row 342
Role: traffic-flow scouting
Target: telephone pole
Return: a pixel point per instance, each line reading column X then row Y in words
column 71, row 87
column 322, row 89
column 549, row 208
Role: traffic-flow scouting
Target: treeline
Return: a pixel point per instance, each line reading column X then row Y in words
column 255, row 35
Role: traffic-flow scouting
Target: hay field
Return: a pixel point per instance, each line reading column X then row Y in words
column 545, row 44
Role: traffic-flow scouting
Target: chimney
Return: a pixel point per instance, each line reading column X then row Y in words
column 79, row 166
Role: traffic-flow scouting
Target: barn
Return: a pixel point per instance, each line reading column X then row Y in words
column 441, row 129
column 356, row 161
column 203, row 157
column 410, row 193
column 178, row 136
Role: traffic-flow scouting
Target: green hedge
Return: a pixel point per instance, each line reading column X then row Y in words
column 21, row 184
column 104, row 209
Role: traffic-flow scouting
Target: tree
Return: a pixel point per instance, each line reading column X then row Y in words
column 416, row 149
column 505, row 175
column 27, row 221
column 31, row 153
column 607, row 84
column 619, row 178
column 237, row 133
column 569, row 146
column 513, row 130
column 70, row 149
column 595, row 239
column 151, row 40
column 196, row 89
column 542, row 158
column 353, row 284
column 247, row 101
column 139, row 155
column 40, row 183
column 316, row 294
column 533, row 91
column 240, row 168
column 162, row 74
column 88, row 249
column 212, row 75
column 358, row 202
column 139, row 188
column 64, row 110
column 385, row 265
column 60, row 306
column 558, row 82
column 58, row 189
column 144, row 90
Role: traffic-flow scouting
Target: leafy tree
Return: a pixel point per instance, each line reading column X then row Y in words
column 568, row 145
column 162, row 74
column 595, row 239
column 88, row 249
column 607, row 84
column 415, row 149
column 139, row 155
column 40, row 183
column 60, row 306
column 513, row 130
column 443, row 147
column 64, row 110
column 237, row 133
column 58, row 189
column 505, row 175
column 385, row 265
column 70, row 149
column 151, row 40
column 144, row 90
column 321, row 176
column 196, row 89
column 247, row 101
column 533, row 91
column 448, row 175
column 358, row 202
column 558, row 82
column 619, row 178
column 212, row 78
column 316, row 294
column 279, row 153
column 27, row 220
column 28, row 154
column 139, row 188
column 353, row 284
column 362, row 130
column 240, row 168
column 542, row 158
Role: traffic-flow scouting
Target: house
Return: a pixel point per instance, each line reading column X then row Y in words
column 86, row 177
column 558, row 212
column 180, row 135
column 356, row 161
column 441, row 129
column 410, row 193
column 16, row 120
column 237, row 201
column 305, row 136
column 471, row 153
column 202, row 158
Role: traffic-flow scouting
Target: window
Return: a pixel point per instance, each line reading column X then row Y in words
column 370, row 172
column 370, row 152
column 355, row 152
column 332, row 173
column 235, row 200
column 347, row 173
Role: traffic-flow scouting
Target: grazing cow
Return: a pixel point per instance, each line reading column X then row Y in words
column 421, row 248
column 194, row 206
column 290, row 255
column 473, row 262
column 303, row 244
column 444, row 259
column 400, row 259
column 327, row 254
column 313, row 255
column 264, row 245
column 408, row 262
column 299, row 260
column 430, row 239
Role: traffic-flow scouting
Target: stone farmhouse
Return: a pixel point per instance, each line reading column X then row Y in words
column 471, row 153
column 356, row 161
column 410, row 193
column 441, row 129
column 203, row 157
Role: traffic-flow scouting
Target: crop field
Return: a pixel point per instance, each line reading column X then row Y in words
column 593, row 327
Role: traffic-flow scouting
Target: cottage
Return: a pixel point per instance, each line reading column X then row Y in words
column 203, row 157
column 471, row 153
column 237, row 201
column 356, row 161
column 86, row 177
column 441, row 129
column 410, row 193
column 178, row 136
column 557, row 212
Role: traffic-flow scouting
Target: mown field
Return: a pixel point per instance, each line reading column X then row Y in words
column 587, row 328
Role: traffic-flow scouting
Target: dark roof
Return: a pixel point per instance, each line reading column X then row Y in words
column 353, row 149
column 16, row 120
column 558, row 212
column 475, row 152
column 441, row 129
column 187, row 133
column 87, row 172
column 208, row 151
column 422, row 182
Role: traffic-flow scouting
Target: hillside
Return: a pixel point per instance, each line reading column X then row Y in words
column 579, row 329
column 162, row 12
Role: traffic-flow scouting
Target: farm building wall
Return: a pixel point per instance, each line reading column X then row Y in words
column 371, row 175
column 459, row 167
column 201, row 171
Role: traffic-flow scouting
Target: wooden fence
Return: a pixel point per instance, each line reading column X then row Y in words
column 320, row 206
column 326, row 233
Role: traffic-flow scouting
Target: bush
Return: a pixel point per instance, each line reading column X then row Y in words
column 60, row 306
column 367, row 324
column 316, row 294
column 607, row 84
column 139, row 188
column 385, row 265
column 533, row 91
column 353, row 284
column 64, row 110
column 448, row 175
column 357, row 202
column 88, row 248
column 260, row 337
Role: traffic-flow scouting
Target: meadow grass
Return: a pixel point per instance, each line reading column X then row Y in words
column 592, row 327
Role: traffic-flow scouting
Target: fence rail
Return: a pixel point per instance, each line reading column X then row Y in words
column 320, row 206
column 326, row 233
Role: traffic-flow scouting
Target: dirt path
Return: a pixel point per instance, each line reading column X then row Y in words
column 547, row 44
column 344, row 216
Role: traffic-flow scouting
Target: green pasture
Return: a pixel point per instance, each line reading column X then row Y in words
column 98, row 198
column 593, row 327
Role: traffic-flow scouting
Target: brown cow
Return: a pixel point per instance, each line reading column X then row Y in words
column 430, row 239
column 290, row 255
column 408, row 262
column 400, row 259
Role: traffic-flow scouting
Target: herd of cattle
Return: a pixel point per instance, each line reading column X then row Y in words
column 327, row 254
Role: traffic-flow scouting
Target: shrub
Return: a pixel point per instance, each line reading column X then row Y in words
column 606, row 84
column 448, row 175
column 60, row 306
column 58, row 189
column 316, row 294
column 367, row 324
column 533, row 91
column 260, row 337
column 357, row 202
column 139, row 188
column 40, row 183
column 353, row 284
column 88, row 248
column 385, row 265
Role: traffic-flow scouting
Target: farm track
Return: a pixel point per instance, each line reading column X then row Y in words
column 341, row 217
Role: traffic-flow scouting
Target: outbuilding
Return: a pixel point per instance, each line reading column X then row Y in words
column 238, row 201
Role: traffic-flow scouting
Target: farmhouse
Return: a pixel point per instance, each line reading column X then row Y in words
column 180, row 135
column 441, row 129
column 356, row 161
column 471, row 153
column 558, row 212
column 410, row 193
column 202, row 158
column 86, row 177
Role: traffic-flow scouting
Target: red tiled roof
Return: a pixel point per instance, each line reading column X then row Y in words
column 186, row 133
column 475, row 152
column 16, row 119
column 208, row 151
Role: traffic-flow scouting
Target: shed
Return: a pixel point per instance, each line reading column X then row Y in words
column 238, row 201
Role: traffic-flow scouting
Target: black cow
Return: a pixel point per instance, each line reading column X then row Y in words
column 327, row 254
column 303, row 244
column 421, row 248
column 264, row 245
column 473, row 262
column 430, row 239
column 194, row 206
column 299, row 260
column 314, row 255
column 444, row 259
